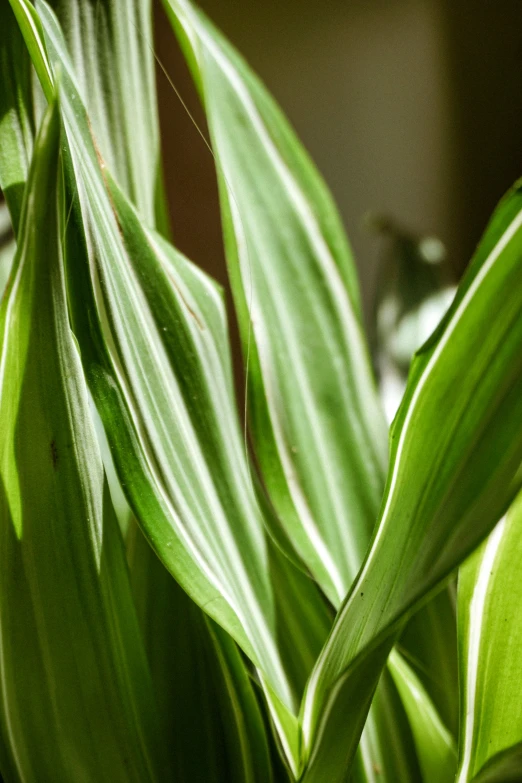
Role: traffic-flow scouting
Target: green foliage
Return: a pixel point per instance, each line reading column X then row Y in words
column 244, row 621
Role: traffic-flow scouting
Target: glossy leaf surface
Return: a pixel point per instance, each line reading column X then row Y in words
column 444, row 493
column 490, row 654
column 316, row 423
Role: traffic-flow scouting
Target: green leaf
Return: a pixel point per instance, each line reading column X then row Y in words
column 203, row 689
column 429, row 644
column 316, row 422
column 436, row 748
column 76, row 698
column 16, row 113
column 386, row 751
column 503, row 768
column 456, row 449
column 111, row 47
column 153, row 338
column 490, row 652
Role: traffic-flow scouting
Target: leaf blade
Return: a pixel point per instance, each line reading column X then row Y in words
column 64, row 572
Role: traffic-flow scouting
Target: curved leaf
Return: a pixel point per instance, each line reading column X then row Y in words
column 436, row 748
column 76, row 698
column 444, row 493
column 154, row 343
column 316, row 422
column 317, row 426
column 490, row 651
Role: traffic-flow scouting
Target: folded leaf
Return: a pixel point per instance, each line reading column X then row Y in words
column 76, row 698
column 490, row 653
column 456, row 449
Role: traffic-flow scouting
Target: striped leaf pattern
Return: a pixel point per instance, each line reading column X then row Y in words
column 317, row 426
column 152, row 333
column 490, row 654
column 444, row 494
column 76, row 697
column 262, row 562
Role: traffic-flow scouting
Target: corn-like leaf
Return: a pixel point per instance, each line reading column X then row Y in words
column 16, row 113
column 110, row 44
column 490, row 655
column 317, row 426
column 76, row 697
column 444, row 493
column 153, row 338
column 316, row 422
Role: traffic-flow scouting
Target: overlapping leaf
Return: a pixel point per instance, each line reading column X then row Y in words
column 490, row 655
column 435, row 746
column 204, row 694
column 455, row 467
column 76, row 697
column 153, row 338
column 7, row 247
column 316, row 423
column 110, row 46
column 203, row 690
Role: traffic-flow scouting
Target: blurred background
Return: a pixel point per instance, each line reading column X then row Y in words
column 411, row 109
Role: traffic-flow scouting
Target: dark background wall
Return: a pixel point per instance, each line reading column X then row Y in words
column 410, row 108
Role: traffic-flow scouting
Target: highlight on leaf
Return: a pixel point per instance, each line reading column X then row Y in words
column 179, row 601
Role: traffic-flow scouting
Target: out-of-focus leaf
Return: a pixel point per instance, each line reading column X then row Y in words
column 111, row 46
column 436, row 747
column 203, row 689
column 456, row 449
column 7, row 253
column 386, row 750
column 413, row 293
column 16, row 114
column 76, row 697
column 316, row 423
column 490, row 654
